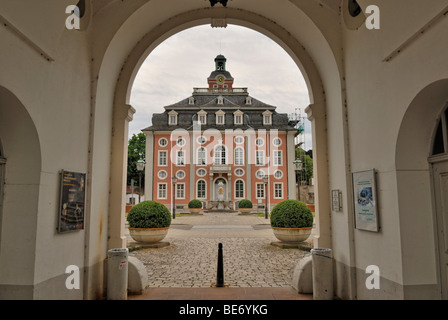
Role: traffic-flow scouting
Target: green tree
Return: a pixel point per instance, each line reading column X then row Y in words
column 136, row 151
column 307, row 161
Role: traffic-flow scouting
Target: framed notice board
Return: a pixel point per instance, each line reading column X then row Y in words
column 71, row 201
column 365, row 200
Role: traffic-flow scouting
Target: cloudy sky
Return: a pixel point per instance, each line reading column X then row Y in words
column 185, row 60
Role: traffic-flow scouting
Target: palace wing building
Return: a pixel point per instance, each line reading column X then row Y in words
column 220, row 145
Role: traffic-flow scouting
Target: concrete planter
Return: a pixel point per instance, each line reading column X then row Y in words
column 151, row 235
column 292, row 235
column 195, row 210
column 245, row 210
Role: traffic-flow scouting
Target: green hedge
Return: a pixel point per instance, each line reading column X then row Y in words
column 291, row 214
column 149, row 214
column 195, row 204
column 245, row 203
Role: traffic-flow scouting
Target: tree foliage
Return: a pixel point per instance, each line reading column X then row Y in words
column 307, row 172
column 136, row 151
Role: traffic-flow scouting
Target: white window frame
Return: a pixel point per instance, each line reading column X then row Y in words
column 220, row 100
column 239, row 138
column 174, row 114
column 248, row 100
column 159, row 189
column 180, row 189
column 279, row 139
column 281, row 174
column 238, row 169
column 239, row 160
column 198, row 140
column 179, row 158
column 191, row 101
column 160, row 142
column 236, row 189
column 220, row 115
column 160, row 158
column 197, row 172
column 198, row 196
column 267, row 115
column 202, row 113
column 278, row 157
column 215, row 158
column 198, row 157
column 260, row 174
column 177, row 174
column 257, row 157
column 278, row 184
column 257, row 189
column 160, row 171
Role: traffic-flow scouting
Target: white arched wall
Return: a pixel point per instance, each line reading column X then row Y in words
column 415, row 200
column 19, row 210
column 116, row 67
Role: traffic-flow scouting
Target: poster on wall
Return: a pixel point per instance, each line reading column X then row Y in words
column 366, row 202
column 71, row 202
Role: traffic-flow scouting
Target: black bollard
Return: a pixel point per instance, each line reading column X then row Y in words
column 220, row 274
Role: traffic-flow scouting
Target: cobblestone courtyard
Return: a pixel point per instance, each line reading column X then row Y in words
column 191, row 258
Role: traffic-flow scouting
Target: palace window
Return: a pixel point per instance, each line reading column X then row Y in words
column 220, row 100
column 278, row 190
column 163, row 142
column 180, row 158
column 259, row 158
column 248, row 100
column 220, row 117
column 191, row 100
column 267, row 117
column 202, row 117
column 239, row 172
column 162, row 174
column 180, row 174
column 180, row 190
column 260, row 174
column 278, row 160
column 161, row 190
column 163, row 155
column 172, row 118
column 201, row 189
column 201, row 172
column 278, row 174
column 260, row 191
column 277, row 142
column 220, row 155
column 238, row 117
column 239, row 156
column 202, row 156
column 239, row 189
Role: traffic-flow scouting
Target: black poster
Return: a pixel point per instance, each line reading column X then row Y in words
column 72, row 203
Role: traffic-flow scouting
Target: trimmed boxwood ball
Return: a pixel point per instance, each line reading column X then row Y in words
column 195, row 204
column 245, row 203
column 291, row 214
column 149, row 214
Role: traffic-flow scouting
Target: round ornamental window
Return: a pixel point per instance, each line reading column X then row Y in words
column 277, row 142
column 259, row 142
column 239, row 172
column 163, row 142
column 239, row 140
column 180, row 174
column 162, row 174
column 201, row 172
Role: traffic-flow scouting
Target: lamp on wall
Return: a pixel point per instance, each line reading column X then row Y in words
column 140, row 168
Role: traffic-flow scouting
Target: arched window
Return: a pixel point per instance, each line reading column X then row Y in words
column 201, row 189
column 239, row 189
column 202, row 156
column 239, row 156
column 220, row 154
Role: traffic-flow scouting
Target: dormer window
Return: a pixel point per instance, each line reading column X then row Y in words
column 220, row 117
column 238, row 117
column 267, row 118
column 172, row 118
column 248, row 100
column 191, row 101
column 220, row 100
column 202, row 117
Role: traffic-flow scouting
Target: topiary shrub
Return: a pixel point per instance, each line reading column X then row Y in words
column 245, row 203
column 195, row 204
column 149, row 214
column 291, row 214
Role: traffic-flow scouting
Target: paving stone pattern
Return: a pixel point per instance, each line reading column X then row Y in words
column 191, row 258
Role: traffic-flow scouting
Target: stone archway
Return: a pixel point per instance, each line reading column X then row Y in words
column 20, row 166
column 122, row 113
column 415, row 192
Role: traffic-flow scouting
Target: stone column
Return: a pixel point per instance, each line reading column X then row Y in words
column 118, row 176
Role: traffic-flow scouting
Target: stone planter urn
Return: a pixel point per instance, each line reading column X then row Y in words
column 148, row 235
column 195, row 210
column 292, row 235
column 245, row 210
